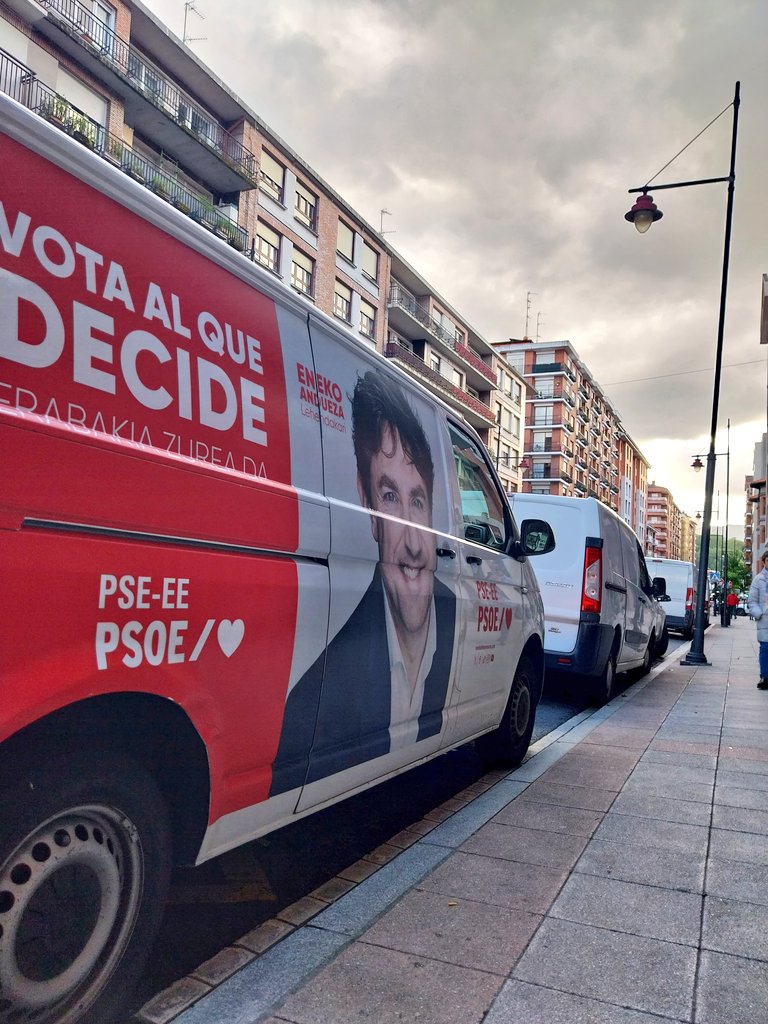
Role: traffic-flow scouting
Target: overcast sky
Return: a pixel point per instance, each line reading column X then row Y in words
column 503, row 135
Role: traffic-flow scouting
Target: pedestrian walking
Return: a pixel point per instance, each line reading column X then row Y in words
column 731, row 603
column 758, row 609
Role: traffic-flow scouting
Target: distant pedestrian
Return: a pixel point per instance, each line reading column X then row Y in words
column 758, row 609
column 731, row 603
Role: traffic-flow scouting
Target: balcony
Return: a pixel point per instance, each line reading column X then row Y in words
column 404, row 310
column 471, row 406
column 158, row 176
column 187, row 130
column 547, row 368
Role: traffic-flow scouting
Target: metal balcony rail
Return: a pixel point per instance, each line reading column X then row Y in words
column 397, row 351
column 398, row 296
column 152, row 83
column 21, row 84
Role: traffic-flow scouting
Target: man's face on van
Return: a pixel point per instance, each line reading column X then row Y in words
column 406, row 550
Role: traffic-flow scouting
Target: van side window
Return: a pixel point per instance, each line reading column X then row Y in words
column 482, row 506
column 645, row 579
column 629, row 551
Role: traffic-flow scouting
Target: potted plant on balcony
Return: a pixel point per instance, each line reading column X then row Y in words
column 82, row 130
column 113, row 151
column 54, row 109
column 161, row 186
column 236, row 240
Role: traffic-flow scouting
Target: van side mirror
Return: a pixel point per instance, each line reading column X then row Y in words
column 660, row 589
column 536, row 538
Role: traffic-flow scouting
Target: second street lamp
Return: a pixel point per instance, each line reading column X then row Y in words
column 646, row 212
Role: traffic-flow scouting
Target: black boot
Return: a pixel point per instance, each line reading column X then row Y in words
column 763, row 684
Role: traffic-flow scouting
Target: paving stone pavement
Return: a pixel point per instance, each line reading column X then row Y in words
column 619, row 876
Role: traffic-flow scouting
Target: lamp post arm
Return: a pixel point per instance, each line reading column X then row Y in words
column 678, row 184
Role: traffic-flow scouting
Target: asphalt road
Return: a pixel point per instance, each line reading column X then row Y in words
column 213, row 905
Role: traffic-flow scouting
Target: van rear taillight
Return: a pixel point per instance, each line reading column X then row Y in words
column 689, row 599
column 592, row 592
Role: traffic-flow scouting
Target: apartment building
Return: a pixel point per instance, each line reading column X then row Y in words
column 574, row 439
column 755, row 528
column 506, row 440
column 675, row 532
column 112, row 76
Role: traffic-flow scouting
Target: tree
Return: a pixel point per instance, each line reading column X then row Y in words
column 738, row 571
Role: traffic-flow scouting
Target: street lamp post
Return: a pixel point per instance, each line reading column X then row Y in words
column 696, row 466
column 643, row 214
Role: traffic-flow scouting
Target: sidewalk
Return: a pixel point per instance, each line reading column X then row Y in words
column 619, row 876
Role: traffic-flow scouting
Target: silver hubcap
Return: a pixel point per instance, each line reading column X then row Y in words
column 69, row 896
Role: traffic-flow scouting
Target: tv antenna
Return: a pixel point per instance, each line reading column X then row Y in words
column 384, row 213
column 539, row 322
column 528, row 313
column 190, row 6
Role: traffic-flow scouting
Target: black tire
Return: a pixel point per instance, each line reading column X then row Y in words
column 645, row 668
column 84, row 866
column 688, row 633
column 663, row 644
column 508, row 744
column 604, row 687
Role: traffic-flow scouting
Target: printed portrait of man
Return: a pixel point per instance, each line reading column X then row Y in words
column 387, row 669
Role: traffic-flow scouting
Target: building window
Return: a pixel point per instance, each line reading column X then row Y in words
column 516, row 426
column 458, row 378
column 342, row 302
column 459, row 336
column 370, row 262
column 271, row 177
column 434, row 362
column 268, row 247
column 306, row 206
column 345, row 241
column 302, row 272
column 367, row 319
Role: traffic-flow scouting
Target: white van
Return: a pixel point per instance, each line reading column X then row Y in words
column 600, row 607
column 247, row 567
column 682, row 588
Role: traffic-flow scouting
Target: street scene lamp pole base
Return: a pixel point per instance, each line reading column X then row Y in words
column 695, row 658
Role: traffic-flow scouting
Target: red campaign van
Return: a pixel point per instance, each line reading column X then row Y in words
column 247, row 569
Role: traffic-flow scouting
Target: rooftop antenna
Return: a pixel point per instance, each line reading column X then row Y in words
column 528, row 313
column 539, row 322
column 384, row 213
column 190, row 6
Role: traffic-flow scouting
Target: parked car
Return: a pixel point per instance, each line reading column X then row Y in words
column 601, row 609
column 682, row 589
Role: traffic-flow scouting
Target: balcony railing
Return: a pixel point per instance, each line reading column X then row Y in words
column 398, row 296
column 395, row 351
column 19, row 82
column 152, row 83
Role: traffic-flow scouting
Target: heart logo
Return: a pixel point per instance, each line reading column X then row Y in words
column 230, row 635
column 508, row 617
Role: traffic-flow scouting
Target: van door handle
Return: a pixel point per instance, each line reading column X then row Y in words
column 445, row 553
column 474, row 560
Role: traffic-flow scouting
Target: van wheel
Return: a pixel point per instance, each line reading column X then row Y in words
column 84, row 865
column 508, row 744
column 688, row 633
column 605, row 685
column 645, row 668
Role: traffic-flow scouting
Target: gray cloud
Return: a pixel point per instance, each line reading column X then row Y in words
column 503, row 137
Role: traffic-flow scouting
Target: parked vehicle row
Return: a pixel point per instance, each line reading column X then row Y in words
column 601, row 608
